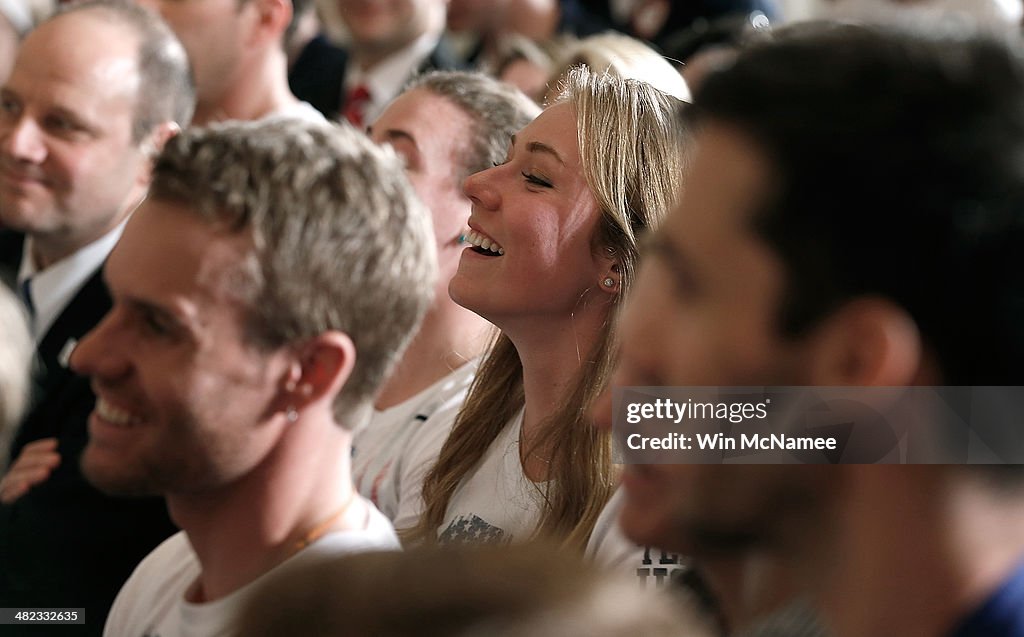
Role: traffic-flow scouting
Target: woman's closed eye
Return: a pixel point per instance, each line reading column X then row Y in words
column 536, row 180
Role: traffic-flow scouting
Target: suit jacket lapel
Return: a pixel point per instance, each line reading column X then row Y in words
column 84, row 312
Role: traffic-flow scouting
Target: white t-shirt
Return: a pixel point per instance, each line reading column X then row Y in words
column 393, row 453
column 496, row 502
column 609, row 547
column 152, row 601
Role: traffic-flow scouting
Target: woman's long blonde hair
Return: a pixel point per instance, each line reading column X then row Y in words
column 632, row 145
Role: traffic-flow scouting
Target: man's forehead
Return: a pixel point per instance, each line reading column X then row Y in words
column 428, row 117
column 178, row 249
column 84, row 48
column 77, row 77
column 434, row 127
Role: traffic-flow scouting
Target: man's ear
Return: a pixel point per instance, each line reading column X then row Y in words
column 272, row 20
column 320, row 369
column 157, row 138
column 868, row 341
column 163, row 132
column 151, row 145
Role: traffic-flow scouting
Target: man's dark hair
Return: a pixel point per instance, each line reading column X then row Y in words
column 166, row 89
column 898, row 165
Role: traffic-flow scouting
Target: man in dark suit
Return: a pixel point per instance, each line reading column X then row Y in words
column 389, row 43
column 94, row 92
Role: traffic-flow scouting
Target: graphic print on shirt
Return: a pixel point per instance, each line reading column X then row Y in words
column 471, row 530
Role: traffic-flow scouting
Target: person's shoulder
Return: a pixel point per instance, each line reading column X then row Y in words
column 377, row 534
column 609, row 548
column 379, row 530
column 154, row 587
column 1002, row 613
column 319, row 56
column 170, row 560
column 318, row 75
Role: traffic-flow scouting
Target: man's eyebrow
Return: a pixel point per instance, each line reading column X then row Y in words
column 73, row 117
column 146, row 307
column 540, row 147
column 158, row 310
column 396, row 133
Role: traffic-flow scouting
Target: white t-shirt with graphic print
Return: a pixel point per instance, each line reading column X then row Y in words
column 496, row 502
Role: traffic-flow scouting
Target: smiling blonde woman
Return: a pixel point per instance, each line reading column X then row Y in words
column 554, row 231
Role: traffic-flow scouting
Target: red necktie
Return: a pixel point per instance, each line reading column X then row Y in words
column 355, row 105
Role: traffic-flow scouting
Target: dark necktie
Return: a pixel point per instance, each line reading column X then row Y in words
column 26, row 297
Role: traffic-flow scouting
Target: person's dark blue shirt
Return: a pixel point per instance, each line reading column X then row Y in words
column 1002, row 614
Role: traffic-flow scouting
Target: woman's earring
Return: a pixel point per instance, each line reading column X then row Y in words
column 291, row 414
column 608, row 282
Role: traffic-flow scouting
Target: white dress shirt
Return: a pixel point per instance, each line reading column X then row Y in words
column 385, row 79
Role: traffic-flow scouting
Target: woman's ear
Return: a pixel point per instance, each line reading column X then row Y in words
column 611, row 280
column 611, row 274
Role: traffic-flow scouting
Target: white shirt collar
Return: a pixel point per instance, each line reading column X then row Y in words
column 385, row 80
column 54, row 287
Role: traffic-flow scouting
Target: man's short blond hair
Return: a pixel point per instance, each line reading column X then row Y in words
column 340, row 240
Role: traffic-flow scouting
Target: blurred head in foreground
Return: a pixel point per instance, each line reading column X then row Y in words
column 472, row 592
column 853, row 218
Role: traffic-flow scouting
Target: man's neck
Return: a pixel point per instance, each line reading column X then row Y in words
column 48, row 249
column 368, row 58
column 449, row 337
column 257, row 93
column 248, row 527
